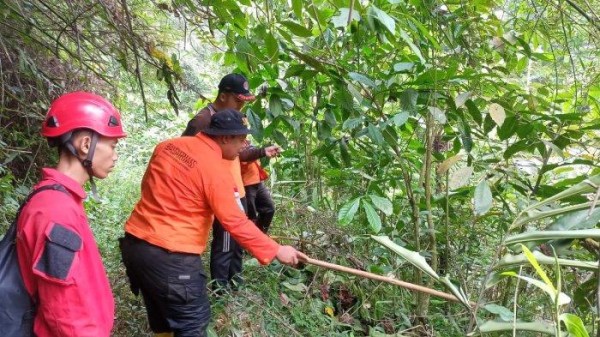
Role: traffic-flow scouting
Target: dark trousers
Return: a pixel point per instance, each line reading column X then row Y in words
column 225, row 257
column 173, row 286
column 261, row 208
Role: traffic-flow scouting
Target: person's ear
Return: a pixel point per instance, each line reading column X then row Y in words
column 82, row 143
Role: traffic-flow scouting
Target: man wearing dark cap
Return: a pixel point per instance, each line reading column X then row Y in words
column 185, row 186
column 226, row 254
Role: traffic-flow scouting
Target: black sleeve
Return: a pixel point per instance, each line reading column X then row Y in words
column 251, row 153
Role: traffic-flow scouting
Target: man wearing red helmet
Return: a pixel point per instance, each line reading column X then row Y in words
column 58, row 256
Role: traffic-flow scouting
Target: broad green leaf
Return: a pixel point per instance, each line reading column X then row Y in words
column 577, row 220
column 272, row 46
column 372, row 217
column 400, row 118
column 347, row 212
column 297, row 8
column 352, row 123
column 483, row 198
column 457, row 291
column 298, row 287
column 551, row 291
column 438, row 115
column 275, row 106
column 574, row 325
column 508, row 128
column 297, row 29
column 384, row 18
column 448, row 163
column 504, row 313
column 362, row 79
column 412, row 45
column 462, row 98
column 497, row 113
column 538, row 326
column 408, row 99
column 375, row 134
column 460, row 177
column 403, row 66
column 414, row 258
column 382, row 204
column 587, row 186
column 541, row 273
column 341, row 20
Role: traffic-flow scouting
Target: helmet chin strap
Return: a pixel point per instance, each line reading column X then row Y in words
column 87, row 162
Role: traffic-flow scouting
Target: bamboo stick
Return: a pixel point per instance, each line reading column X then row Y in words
column 376, row 277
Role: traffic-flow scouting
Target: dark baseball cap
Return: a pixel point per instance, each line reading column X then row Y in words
column 227, row 122
column 236, row 84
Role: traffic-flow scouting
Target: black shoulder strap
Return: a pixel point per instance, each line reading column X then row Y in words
column 11, row 233
column 56, row 187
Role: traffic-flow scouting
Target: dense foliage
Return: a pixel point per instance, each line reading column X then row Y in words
column 462, row 130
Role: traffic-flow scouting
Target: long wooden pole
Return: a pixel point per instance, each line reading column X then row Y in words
column 376, row 277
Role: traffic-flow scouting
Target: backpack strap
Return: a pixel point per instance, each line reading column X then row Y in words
column 55, row 187
column 11, row 233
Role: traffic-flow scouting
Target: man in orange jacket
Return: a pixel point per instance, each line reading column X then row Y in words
column 185, row 186
column 225, row 253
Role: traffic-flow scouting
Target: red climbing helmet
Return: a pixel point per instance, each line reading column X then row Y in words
column 82, row 110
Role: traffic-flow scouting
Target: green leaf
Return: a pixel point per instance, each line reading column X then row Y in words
column 347, row 212
column 462, row 98
column 341, row 20
column 372, row 217
column 504, row 313
column 384, row 18
column 400, row 118
column 298, row 287
column 375, row 134
column 297, row 29
column 412, row 46
column 541, row 273
column 551, row 291
column 362, row 79
column 403, row 66
column 297, row 8
column 460, row 177
column 352, row 123
column 382, row 204
column 509, row 260
column 408, row 100
column 275, row 106
column 553, row 235
column 574, row 325
column 538, row 326
column 508, row 128
column 272, row 46
column 497, row 113
column 438, row 115
column 483, row 198
column 414, row 258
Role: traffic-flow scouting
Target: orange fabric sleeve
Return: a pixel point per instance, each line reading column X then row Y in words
column 244, row 231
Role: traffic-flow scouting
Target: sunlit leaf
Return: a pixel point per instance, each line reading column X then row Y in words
column 538, row 326
column 384, row 18
column 483, row 198
column 347, row 212
column 372, row 217
column 497, row 113
column 341, row 20
column 551, row 291
column 574, row 325
column 400, row 118
column 362, row 79
column 541, row 273
column 462, row 98
column 414, row 258
column 382, row 204
column 448, row 163
column 460, row 177
column 438, row 115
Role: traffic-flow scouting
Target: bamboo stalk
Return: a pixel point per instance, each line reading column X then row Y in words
column 376, row 277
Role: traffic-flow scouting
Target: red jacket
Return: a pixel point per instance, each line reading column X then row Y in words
column 61, row 264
